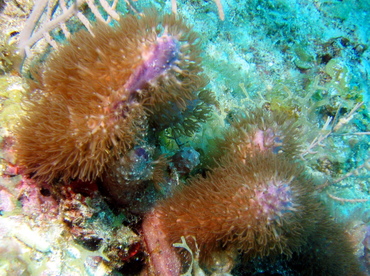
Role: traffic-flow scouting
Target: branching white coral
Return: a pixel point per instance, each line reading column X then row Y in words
column 194, row 268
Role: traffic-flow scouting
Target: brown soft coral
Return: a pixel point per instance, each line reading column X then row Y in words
column 263, row 207
column 91, row 101
column 259, row 130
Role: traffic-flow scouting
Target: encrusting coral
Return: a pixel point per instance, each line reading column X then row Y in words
column 91, row 101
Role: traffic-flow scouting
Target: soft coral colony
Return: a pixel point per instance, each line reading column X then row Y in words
column 91, row 101
column 96, row 111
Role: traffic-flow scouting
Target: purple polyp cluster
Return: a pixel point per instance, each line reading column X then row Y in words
column 275, row 199
column 157, row 60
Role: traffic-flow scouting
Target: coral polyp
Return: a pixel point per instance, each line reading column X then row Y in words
column 90, row 102
column 262, row 130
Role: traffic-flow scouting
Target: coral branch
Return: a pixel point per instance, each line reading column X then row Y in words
column 354, row 172
column 343, row 200
column 326, row 131
column 26, row 41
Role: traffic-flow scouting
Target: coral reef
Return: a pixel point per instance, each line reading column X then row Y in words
column 127, row 164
